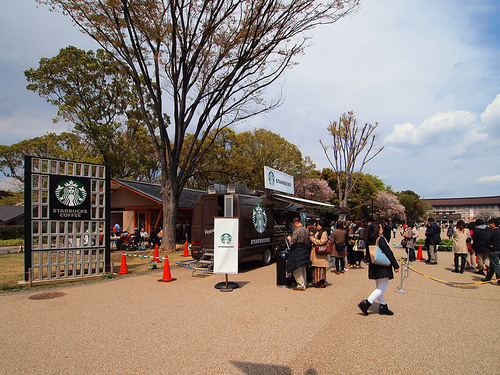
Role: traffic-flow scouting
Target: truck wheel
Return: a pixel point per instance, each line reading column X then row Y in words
column 267, row 257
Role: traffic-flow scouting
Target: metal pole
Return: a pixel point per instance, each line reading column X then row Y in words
column 407, row 268
column 400, row 288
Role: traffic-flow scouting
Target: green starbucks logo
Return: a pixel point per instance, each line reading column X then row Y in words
column 259, row 217
column 226, row 238
column 71, row 193
column 271, row 178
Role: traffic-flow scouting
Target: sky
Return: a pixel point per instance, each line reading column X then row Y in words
column 427, row 71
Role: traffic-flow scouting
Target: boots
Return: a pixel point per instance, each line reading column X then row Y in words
column 384, row 310
column 364, row 306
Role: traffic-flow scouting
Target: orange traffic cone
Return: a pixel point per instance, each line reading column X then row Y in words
column 166, row 272
column 156, row 255
column 123, row 266
column 419, row 254
column 186, row 250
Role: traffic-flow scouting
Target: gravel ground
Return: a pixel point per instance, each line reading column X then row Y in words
column 136, row 325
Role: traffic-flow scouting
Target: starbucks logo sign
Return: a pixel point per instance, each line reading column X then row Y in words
column 226, row 238
column 70, row 193
column 259, row 217
column 271, row 178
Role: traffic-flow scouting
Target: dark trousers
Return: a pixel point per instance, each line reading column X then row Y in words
column 339, row 261
column 494, row 266
column 350, row 254
column 359, row 256
column 411, row 250
column 463, row 259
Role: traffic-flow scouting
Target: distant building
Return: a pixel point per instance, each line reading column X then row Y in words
column 450, row 210
column 11, row 215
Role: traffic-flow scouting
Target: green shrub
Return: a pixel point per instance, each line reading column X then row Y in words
column 14, row 242
column 9, row 232
column 443, row 245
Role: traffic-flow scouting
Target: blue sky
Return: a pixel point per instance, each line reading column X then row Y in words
column 427, row 71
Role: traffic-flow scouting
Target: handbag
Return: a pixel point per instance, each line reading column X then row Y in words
column 340, row 246
column 377, row 256
column 324, row 249
column 404, row 242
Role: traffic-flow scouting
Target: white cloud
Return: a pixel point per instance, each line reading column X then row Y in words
column 438, row 128
column 491, row 117
column 490, row 179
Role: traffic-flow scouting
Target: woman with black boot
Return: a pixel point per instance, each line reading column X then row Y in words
column 381, row 274
column 461, row 235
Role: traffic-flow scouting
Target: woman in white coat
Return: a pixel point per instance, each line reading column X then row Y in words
column 461, row 235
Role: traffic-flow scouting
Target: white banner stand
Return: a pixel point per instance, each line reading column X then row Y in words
column 226, row 250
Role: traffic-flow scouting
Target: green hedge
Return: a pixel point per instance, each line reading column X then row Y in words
column 443, row 245
column 10, row 232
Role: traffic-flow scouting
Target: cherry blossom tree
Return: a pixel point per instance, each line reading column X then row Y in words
column 314, row 189
column 388, row 206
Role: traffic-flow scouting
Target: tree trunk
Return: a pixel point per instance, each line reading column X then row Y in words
column 170, row 204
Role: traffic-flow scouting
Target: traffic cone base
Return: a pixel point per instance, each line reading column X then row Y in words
column 186, row 250
column 419, row 254
column 123, row 265
column 156, row 255
column 166, row 272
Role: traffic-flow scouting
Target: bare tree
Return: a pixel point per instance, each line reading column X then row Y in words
column 213, row 58
column 350, row 141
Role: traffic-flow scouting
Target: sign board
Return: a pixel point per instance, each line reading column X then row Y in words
column 67, row 219
column 226, row 245
column 71, row 199
column 279, row 181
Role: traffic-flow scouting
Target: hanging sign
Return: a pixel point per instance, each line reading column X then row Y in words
column 226, row 245
column 279, row 181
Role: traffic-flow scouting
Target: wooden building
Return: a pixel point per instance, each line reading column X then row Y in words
column 135, row 204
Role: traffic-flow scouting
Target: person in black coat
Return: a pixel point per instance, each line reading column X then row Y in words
column 479, row 246
column 300, row 251
column 387, row 231
column 493, row 244
column 381, row 274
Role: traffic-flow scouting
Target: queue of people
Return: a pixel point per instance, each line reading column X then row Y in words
column 312, row 246
column 349, row 242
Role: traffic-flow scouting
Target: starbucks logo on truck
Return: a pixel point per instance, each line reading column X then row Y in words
column 259, row 217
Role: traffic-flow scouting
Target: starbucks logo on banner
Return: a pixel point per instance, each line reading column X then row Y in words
column 226, row 238
column 259, row 217
column 70, row 193
column 271, row 178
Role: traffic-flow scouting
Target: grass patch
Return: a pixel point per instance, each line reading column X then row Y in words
column 12, row 269
column 14, row 242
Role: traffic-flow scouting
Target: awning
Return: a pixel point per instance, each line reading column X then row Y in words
column 304, row 202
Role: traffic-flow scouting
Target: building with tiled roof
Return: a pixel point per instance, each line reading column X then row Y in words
column 450, row 210
column 135, row 204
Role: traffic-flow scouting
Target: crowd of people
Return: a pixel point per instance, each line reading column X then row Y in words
column 475, row 240
column 348, row 244
column 139, row 240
